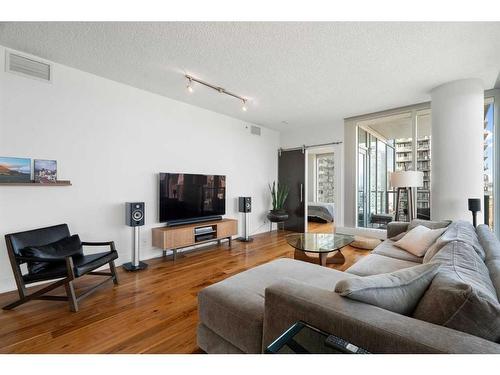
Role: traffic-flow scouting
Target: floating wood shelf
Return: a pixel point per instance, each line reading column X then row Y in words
column 32, row 183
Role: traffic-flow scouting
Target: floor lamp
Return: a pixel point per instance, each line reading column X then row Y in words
column 406, row 180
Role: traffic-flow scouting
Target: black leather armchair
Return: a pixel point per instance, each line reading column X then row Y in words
column 52, row 253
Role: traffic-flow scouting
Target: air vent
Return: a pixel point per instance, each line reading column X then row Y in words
column 255, row 130
column 28, row 67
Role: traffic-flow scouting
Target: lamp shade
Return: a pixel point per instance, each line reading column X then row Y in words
column 474, row 204
column 407, row 179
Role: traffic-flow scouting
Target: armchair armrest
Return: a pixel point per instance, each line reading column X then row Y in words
column 111, row 244
column 396, row 227
column 370, row 327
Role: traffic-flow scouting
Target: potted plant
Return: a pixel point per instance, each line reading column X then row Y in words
column 279, row 193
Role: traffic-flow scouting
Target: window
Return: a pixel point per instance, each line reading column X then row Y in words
column 424, row 164
column 386, row 144
column 489, row 162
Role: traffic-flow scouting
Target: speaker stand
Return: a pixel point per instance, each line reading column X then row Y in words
column 245, row 237
column 135, row 265
column 131, row 268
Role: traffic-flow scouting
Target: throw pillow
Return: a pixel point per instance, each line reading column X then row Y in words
column 56, row 250
column 399, row 291
column 419, row 239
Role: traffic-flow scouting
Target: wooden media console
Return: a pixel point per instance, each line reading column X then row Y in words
column 177, row 237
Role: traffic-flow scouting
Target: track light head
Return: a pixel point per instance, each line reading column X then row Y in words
column 244, row 106
column 190, row 85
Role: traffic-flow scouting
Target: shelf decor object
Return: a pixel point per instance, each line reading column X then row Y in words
column 15, row 170
column 45, row 171
column 406, row 180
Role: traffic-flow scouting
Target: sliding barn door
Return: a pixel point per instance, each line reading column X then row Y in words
column 291, row 172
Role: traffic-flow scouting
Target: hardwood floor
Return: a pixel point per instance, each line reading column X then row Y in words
column 153, row 311
column 315, row 227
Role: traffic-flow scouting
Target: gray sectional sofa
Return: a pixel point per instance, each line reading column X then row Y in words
column 246, row 312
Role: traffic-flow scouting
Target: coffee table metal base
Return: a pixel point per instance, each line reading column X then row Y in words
column 321, row 258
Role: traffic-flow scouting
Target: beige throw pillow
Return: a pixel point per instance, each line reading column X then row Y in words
column 399, row 291
column 418, row 240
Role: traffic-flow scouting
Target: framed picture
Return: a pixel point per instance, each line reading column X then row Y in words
column 15, row 169
column 45, row 171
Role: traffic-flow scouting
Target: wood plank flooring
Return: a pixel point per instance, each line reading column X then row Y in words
column 153, row 311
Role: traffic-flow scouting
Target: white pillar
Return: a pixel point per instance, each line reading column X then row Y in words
column 457, row 148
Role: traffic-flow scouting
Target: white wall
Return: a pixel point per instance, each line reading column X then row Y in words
column 457, row 161
column 111, row 140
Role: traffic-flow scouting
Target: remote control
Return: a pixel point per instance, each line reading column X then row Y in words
column 343, row 345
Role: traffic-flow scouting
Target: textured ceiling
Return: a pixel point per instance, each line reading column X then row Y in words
column 295, row 74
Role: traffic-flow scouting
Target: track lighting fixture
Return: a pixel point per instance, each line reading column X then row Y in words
column 221, row 90
column 190, row 85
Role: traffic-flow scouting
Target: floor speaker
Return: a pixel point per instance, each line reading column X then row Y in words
column 245, row 206
column 134, row 217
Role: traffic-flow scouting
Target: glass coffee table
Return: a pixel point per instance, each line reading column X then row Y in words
column 319, row 245
column 303, row 338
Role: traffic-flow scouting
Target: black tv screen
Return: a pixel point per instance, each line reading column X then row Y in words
column 191, row 196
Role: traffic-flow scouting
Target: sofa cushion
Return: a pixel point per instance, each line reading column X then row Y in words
column 212, row 343
column 397, row 237
column 489, row 242
column 460, row 293
column 234, row 307
column 388, row 249
column 394, row 228
column 418, row 240
column 491, row 247
column 375, row 264
column 461, row 231
column 398, row 291
column 428, row 224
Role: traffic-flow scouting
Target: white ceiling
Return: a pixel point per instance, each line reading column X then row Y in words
column 295, row 74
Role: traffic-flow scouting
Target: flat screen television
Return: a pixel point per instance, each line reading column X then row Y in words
column 188, row 198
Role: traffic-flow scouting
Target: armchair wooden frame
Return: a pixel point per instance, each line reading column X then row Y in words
column 71, row 297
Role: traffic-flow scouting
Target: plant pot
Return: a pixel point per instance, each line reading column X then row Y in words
column 277, row 216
